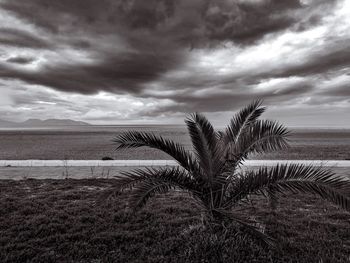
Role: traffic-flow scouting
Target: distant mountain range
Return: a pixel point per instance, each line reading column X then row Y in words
column 42, row 123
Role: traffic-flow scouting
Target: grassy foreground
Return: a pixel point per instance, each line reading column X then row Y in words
column 63, row 221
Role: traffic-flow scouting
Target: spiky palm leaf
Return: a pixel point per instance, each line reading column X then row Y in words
column 246, row 134
column 201, row 145
column 261, row 137
column 242, row 120
column 148, row 182
column 205, row 143
column 295, row 178
column 175, row 176
column 135, row 139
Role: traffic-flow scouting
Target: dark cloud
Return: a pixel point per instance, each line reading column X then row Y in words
column 157, row 35
column 85, row 26
column 187, row 21
column 127, row 73
column 233, row 97
column 248, row 22
column 20, row 60
column 144, row 49
column 20, row 38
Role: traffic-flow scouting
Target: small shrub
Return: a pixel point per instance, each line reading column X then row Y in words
column 107, row 158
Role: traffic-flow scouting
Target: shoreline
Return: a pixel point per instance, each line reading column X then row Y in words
column 136, row 163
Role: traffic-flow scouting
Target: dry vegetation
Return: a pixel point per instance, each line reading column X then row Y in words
column 62, row 221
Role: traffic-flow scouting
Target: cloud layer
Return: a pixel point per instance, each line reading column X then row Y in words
column 159, row 59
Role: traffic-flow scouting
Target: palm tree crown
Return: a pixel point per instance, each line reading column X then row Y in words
column 211, row 175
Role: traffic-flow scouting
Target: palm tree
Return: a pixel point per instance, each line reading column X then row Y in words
column 211, row 173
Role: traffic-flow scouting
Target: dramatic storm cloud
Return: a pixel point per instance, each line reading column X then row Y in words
column 119, row 61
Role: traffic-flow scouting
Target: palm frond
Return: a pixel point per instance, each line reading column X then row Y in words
column 203, row 138
column 243, row 119
column 211, row 140
column 174, row 175
column 297, row 178
column 261, row 137
column 207, row 130
column 135, row 139
column 149, row 182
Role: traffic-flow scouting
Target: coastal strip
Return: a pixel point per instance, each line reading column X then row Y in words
column 136, row 163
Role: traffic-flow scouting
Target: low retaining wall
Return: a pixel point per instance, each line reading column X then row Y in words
column 135, row 163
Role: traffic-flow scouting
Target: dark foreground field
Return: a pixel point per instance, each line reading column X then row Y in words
column 63, row 221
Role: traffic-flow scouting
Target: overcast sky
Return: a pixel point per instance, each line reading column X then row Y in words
column 137, row 61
